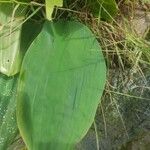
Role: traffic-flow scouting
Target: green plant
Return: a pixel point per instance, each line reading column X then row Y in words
column 105, row 9
column 70, row 77
column 64, row 57
column 8, row 125
column 11, row 17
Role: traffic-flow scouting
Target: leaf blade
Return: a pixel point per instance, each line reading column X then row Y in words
column 72, row 72
column 10, row 34
column 105, row 9
column 8, row 124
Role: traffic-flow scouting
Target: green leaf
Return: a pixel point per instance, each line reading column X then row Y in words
column 105, row 9
column 61, row 81
column 50, row 6
column 11, row 17
column 8, row 124
column 14, row 45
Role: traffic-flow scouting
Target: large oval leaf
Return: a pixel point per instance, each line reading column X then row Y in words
column 61, row 81
column 8, row 124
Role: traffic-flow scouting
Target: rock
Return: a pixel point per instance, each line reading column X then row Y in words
column 89, row 142
column 141, row 22
column 123, row 118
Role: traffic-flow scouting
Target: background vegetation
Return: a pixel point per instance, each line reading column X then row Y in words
column 122, row 28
